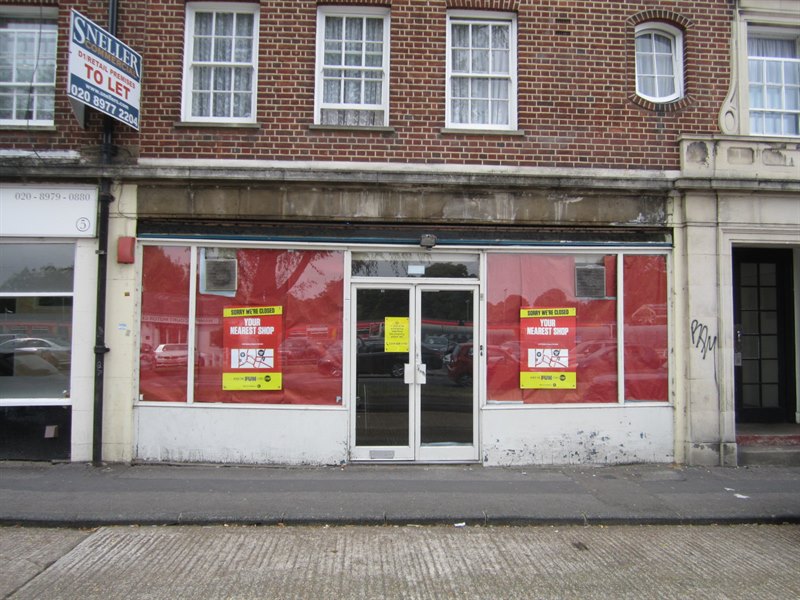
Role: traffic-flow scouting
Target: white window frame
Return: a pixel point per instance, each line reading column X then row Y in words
column 489, row 18
column 320, row 105
column 189, row 64
column 675, row 36
column 42, row 14
column 778, row 34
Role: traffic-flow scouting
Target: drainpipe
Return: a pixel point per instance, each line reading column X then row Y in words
column 106, row 198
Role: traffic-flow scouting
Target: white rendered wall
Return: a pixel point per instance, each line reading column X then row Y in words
column 122, row 308
column 241, row 435
column 577, row 435
column 83, row 334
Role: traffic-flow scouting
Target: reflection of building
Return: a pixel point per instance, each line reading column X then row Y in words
column 509, row 161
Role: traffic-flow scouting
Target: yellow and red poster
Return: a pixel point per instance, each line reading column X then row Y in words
column 547, row 345
column 251, row 339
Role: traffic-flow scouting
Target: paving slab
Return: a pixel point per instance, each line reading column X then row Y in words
column 27, row 552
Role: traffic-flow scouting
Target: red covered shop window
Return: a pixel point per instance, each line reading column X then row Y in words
column 267, row 326
column 646, row 346
column 552, row 329
column 164, row 334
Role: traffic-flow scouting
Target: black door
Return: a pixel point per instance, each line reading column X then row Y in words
column 764, row 335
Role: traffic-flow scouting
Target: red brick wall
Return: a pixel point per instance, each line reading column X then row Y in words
column 575, row 100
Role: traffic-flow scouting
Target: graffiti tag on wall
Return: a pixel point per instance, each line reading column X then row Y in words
column 702, row 340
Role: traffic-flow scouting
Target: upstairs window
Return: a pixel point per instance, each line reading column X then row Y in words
column 27, row 71
column 481, row 71
column 352, row 85
column 659, row 62
column 774, row 85
column 220, row 62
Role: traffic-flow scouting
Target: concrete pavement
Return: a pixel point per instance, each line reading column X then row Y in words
column 79, row 495
column 410, row 562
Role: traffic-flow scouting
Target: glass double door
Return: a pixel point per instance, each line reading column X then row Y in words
column 413, row 373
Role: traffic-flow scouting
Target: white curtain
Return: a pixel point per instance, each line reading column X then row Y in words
column 771, row 48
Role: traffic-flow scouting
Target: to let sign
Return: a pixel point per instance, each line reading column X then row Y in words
column 104, row 73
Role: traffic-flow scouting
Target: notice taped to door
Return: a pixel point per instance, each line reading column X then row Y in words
column 251, row 340
column 397, row 334
column 547, row 345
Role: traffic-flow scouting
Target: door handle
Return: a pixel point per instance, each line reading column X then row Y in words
column 415, row 374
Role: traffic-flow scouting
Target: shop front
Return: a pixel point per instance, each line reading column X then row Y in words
column 47, row 293
column 301, row 353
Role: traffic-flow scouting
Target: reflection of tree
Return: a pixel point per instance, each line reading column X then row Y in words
column 454, row 270
column 166, row 265
column 275, row 274
column 374, row 305
column 455, row 306
column 506, row 310
column 554, row 298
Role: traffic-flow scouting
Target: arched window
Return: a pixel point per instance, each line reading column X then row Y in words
column 659, row 62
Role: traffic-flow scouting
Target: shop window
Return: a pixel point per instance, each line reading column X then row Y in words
column 645, row 327
column 393, row 264
column 266, row 329
column 27, row 69
column 481, row 71
column 164, row 333
column 553, row 333
column 220, row 62
column 352, row 87
column 36, row 285
column 659, row 62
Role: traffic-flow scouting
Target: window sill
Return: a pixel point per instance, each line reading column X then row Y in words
column 316, row 127
column 24, row 127
column 218, row 125
column 453, row 130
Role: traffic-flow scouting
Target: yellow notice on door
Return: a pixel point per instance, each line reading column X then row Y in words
column 396, row 334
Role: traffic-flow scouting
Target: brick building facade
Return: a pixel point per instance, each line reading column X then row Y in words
column 508, row 232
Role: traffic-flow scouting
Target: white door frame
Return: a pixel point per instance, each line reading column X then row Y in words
column 415, row 377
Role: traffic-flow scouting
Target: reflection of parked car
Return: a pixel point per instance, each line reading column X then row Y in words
column 459, row 364
column 56, row 352
column 373, row 360
column 605, row 358
column 650, row 314
column 146, row 359
column 301, row 349
column 438, row 343
column 591, row 347
column 171, row 355
column 330, row 363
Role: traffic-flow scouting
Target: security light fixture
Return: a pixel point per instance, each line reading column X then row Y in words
column 427, row 240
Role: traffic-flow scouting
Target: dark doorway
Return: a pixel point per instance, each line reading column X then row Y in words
column 764, row 335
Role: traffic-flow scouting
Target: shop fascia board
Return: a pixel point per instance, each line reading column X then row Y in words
column 546, row 178
column 388, row 174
